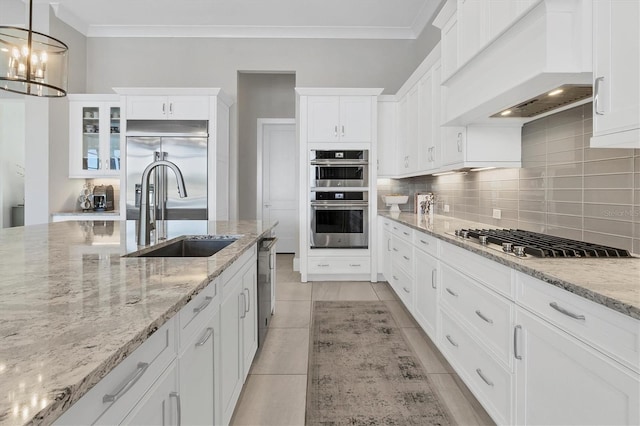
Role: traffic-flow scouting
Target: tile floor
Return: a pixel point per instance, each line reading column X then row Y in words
column 275, row 391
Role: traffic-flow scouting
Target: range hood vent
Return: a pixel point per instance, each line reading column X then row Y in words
column 554, row 99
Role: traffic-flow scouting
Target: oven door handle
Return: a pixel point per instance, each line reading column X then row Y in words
column 339, row 162
column 349, row 206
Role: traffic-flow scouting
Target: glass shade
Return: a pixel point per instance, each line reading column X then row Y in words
column 41, row 71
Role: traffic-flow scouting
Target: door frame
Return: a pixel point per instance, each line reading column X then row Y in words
column 262, row 123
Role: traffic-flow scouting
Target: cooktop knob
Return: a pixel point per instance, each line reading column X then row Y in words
column 519, row 251
column 484, row 239
column 508, row 247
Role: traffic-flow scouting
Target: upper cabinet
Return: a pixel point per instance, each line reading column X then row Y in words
column 339, row 119
column 94, row 136
column 387, row 135
column 141, row 107
column 616, row 71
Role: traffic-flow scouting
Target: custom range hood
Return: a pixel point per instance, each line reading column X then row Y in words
column 540, row 64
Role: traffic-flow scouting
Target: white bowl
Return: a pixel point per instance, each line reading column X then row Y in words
column 395, row 199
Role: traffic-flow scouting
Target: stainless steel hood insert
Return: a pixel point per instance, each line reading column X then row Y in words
column 554, row 99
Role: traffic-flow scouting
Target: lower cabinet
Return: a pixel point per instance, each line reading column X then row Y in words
column 161, row 405
column 426, row 288
column 238, row 335
column 561, row 380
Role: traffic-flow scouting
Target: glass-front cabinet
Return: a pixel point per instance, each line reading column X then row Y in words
column 94, row 136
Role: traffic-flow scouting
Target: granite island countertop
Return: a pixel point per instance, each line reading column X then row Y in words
column 71, row 306
column 612, row 282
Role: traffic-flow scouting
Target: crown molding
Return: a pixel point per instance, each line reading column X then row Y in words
column 65, row 15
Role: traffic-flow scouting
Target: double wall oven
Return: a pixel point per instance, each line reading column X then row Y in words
column 339, row 199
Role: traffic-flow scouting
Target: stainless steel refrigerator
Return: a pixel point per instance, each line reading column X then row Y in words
column 182, row 142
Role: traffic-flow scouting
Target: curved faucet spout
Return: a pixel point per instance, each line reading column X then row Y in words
column 144, row 224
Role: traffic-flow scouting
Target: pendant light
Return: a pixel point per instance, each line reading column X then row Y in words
column 32, row 63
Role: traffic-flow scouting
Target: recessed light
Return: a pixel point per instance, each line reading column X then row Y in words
column 506, row 112
column 479, row 169
column 444, row 173
column 555, row 92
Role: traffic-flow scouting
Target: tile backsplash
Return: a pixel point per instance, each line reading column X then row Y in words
column 564, row 187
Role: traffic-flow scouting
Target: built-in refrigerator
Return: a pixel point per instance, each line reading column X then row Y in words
column 182, row 142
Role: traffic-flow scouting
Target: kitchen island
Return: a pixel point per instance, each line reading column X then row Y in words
column 72, row 308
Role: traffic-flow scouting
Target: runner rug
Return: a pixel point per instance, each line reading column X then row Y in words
column 362, row 371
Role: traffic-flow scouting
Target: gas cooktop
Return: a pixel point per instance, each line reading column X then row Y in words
column 524, row 243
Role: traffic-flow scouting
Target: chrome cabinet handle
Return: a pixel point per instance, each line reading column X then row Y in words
column 395, row 249
column 459, row 141
column 342, row 130
column 451, row 292
column 406, row 258
column 568, row 313
column 335, row 131
column 135, row 376
column 424, row 242
column 176, row 395
column 516, row 350
column 164, row 108
column 244, row 306
column 323, row 265
column 248, row 308
column 395, row 278
column 389, row 244
column 452, row 341
column 106, row 164
column 483, row 377
column 171, row 108
column 481, row 315
column 406, row 290
column 355, row 265
column 204, row 304
column 596, row 96
column 206, row 337
column 434, row 273
column 406, row 233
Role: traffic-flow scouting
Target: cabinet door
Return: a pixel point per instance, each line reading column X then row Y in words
column 110, row 151
column 188, row 108
column 453, row 145
column 387, row 256
column 425, row 122
column 426, row 292
column 403, row 144
column 323, row 117
column 449, row 47
column 355, row 118
column 413, row 151
column 197, row 377
column 147, row 107
column 250, row 320
column 387, row 138
column 436, row 153
column 562, row 381
column 616, row 67
column 160, row 405
column 231, row 309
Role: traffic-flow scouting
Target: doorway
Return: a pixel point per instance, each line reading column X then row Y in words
column 277, row 195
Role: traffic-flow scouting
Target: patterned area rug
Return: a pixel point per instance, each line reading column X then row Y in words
column 362, row 372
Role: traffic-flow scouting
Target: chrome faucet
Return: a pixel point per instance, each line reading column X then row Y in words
column 144, row 224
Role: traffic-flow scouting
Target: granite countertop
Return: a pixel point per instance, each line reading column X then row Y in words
column 613, row 282
column 88, row 213
column 71, row 306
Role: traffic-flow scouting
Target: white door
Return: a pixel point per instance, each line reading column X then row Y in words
column 279, row 183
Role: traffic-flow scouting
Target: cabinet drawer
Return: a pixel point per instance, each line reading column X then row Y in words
column 228, row 273
column 342, row 265
column 402, row 254
column 402, row 231
column 609, row 331
column 426, row 243
column 487, row 314
column 486, row 271
column 110, row 399
column 386, row 224
column 403, row 286
column 488, row 380
column 198, row 311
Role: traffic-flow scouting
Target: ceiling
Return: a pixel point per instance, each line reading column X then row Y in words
column 354, row 19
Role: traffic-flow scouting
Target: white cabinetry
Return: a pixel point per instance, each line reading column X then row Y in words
column 238, row 334
column 339, row 119
column 573, row 382
column 481, row 146
column 426, row 303
column 616, row 67
column 142, row 107
column 94, row 136
column 387, row 136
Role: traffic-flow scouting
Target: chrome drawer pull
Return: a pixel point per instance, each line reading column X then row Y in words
column 244, row 306
column 140, row 369
column 205, row 338
column 395, row 278
column 406, row 257
column 562, row 310
column 248, row 299
column 516, row 351
column 395, row 249
column 355, row 265
column 433, row 278
column 452, row 341
column 323, row 265
column 424, row 242
column 481, row 315
column 482, row 376
column 176, row 395
column 451, row 292
column 406, row 233
column 204, row 304
column 406, row 290
column 596, row 96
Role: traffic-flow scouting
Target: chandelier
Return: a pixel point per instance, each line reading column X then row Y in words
column 32, row 63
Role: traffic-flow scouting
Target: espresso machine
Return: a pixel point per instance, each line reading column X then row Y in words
column 103, row 198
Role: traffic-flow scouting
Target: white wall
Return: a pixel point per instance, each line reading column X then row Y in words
column 12, row 120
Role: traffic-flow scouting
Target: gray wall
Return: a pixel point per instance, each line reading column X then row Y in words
column 564, row 187
column 259, row 96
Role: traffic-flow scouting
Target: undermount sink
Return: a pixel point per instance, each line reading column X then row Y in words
column 190, row 247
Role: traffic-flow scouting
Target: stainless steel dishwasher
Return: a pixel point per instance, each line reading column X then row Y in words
column 266, row 285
